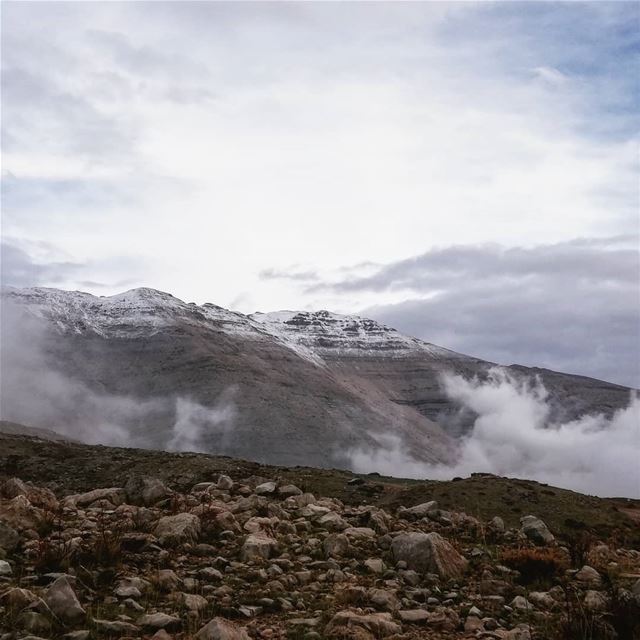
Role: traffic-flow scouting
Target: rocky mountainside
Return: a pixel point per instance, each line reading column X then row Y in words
column 99, row 543
column 146, row 369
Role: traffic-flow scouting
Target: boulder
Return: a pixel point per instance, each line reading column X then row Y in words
column 428, row 553
column 145, row 491
column 266, row 489
column 288, row 490
column 63, row 602
column 336, row 545
column 18, row 599
column 114, row 495
column 5, row 568
column 8, row 537
column 19, row 514
column 383, row 599
column 536, row 530
column 258, row 546
column 175, row 530
column 221, row 629
column 414, row 616
column 225, row 483
column 332, row 522
column 379, row 624
column 418, row 511
column 37, row 496
column 588, row 575
column 158, row 621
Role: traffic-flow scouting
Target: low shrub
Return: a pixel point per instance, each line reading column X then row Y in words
column 535, row 565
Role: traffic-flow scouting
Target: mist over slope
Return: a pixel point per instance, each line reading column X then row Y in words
column 145, row 369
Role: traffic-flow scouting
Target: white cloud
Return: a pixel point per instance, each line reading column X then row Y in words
column 513, row 436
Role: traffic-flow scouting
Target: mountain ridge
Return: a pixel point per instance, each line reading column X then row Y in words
column 296, row 387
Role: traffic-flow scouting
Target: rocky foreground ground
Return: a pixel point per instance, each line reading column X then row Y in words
column 258, row 557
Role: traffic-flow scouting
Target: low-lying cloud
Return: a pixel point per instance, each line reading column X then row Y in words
column 34, row 393
column 571, row 306
column 195, row 422
column 514, row 436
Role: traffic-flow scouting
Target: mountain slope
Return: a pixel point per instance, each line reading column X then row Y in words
column 143, row 368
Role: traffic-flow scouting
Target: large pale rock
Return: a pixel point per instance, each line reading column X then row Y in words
column 414, row 616
column 158, row 621
column 145, row 490
column 221, row 629
column 379, row 624
column 258, row 546
column 63, row 602
column 536, row 530
column 225, row 483
column 18, row 599
column 332, row 522
column 174, row 530
column 336, row 545
column 20, row 514
column 419, row 511
column 115, row 495
column 37, row 496
column 5, row 568
column 266, row 488
column 428, row 553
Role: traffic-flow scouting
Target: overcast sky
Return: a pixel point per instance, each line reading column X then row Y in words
column 465, row 172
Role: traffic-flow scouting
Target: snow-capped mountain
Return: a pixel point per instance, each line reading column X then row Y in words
column 144, row 368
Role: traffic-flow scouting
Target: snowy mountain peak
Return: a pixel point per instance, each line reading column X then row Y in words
column 333, row 334
column 313, row 335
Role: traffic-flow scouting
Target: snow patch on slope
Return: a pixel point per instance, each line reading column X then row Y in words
column 333, row 334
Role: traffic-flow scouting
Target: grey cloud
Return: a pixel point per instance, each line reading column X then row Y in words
column 18, row 268
column 572, row 307
column 39, row 115
column 580, row 260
